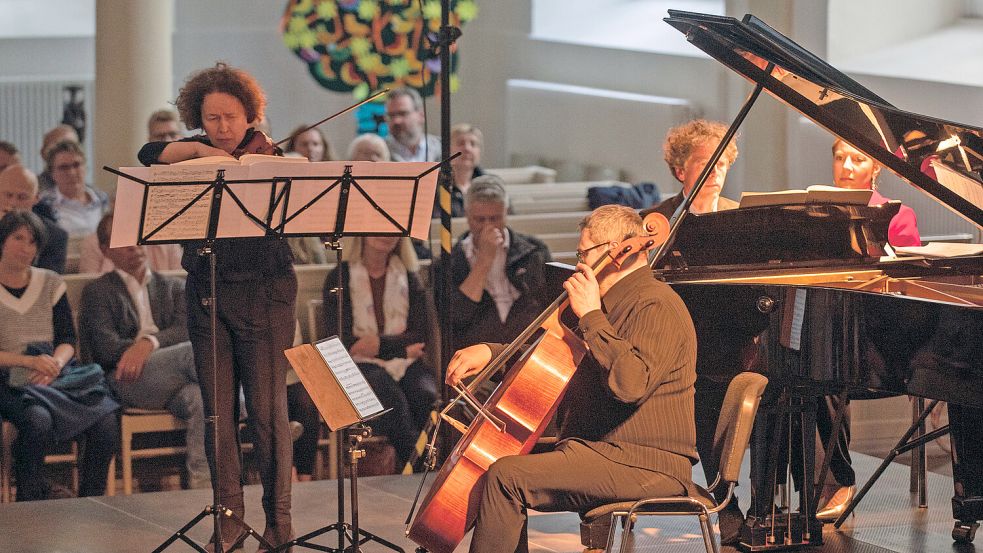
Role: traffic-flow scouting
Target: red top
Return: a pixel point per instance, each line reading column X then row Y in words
column 903, row 230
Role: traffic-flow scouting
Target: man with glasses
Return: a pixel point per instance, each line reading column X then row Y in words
column 79, row 207
column 406, row 140
column 625, row 423
column 498, row 274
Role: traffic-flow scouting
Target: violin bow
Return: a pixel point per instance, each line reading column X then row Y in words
column 330, row 117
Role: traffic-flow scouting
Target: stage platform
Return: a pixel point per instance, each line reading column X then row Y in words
column 888, row 520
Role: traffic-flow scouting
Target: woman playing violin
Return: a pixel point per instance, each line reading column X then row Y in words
column 626, row 424
column 256, row 292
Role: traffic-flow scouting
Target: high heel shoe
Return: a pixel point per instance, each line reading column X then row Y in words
column 837, row 504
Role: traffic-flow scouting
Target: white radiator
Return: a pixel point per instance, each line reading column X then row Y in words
column 29, row 108
column 590, row 133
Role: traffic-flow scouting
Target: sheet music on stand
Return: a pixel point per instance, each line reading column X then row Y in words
column 346, row 374
column 172, row 203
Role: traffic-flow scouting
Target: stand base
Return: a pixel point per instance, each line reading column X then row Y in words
column 215, row 511
column 780, row 533
column 343, row 528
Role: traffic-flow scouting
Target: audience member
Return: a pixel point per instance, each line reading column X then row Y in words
column 58, row 134
column 467, row 139
column 406, row 140
column 368, row 147
column 160, row 257
column 79, row 207
column 163, row 126
column 133, row 322
column 498, row 274
column 311, row 144
column 386, row 325
column 19, row 190
column 9, row 155
column 46, row 395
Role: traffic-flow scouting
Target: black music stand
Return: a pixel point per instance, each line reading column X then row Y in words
column 205, row 198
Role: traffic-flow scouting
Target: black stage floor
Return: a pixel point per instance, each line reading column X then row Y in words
column 887, row 521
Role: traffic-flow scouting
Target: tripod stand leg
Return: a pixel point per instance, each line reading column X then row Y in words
column 182, row 535
column 218, row 512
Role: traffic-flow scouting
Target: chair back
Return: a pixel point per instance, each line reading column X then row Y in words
column 736, row 420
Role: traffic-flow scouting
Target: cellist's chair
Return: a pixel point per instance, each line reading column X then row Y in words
column 730, row 442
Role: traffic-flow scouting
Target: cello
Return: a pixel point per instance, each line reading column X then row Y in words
column 516, row 414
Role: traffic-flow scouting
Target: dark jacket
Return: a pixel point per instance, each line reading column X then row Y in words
column 55, row 249
column 476, row 322
column 108, row 320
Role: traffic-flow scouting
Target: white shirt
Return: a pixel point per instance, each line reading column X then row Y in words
column 141, row 300
column 428, row 149
column 497, row 283
column 78, row 218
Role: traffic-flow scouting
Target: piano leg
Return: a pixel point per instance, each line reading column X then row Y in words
column 783, row 423
column 967, row 470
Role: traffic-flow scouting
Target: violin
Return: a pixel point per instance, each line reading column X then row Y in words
column 517, row 413
column 256, row 142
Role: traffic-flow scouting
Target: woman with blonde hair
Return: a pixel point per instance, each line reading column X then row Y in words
column 386, row 326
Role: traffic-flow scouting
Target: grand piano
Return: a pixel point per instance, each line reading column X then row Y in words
column 816, row 289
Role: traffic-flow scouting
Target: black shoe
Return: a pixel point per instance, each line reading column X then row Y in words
column 730, row 520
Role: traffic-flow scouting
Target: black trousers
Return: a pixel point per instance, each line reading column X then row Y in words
column 302, row 409
column 573, row 477
column 98, row 444
column 255, row 323
column 411, row 400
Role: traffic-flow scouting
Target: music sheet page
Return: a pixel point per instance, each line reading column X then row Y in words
column 349, row 377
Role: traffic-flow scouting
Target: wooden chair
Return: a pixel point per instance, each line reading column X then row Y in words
column 729, row 445
column 142, row 421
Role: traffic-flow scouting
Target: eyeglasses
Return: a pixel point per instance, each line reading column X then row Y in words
column 68, row 166
column 401, row 114
column 582, row 254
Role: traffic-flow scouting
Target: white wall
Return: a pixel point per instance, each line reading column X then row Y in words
column 496, row 46
column 856, row 26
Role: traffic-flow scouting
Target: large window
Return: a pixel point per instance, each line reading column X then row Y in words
column 622, row 24
column 937, row 41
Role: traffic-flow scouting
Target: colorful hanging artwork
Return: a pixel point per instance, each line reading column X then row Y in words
column 362, row 46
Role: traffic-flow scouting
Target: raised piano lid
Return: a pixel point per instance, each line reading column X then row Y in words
column 942, row 158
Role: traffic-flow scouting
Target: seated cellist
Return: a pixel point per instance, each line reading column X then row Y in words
column 626, row 424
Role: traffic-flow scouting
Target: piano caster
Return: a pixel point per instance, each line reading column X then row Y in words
column 964, row 532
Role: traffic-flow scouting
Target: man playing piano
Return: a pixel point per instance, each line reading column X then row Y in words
column 687, row 149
